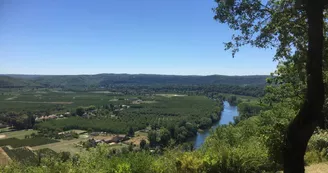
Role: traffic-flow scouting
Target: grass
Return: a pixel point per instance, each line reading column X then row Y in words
column 71, row 146
column 118, row 146
column 139, row 133
column 19, row 134
column 76, row 131
column 64, row 145
column 6, row 129
column 138, row 136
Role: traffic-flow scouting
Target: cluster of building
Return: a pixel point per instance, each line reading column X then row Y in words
column 121, row 107
column 51, row 117
column 135, row 100
column 108, row 139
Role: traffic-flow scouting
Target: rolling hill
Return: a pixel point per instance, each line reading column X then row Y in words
column 104, row 80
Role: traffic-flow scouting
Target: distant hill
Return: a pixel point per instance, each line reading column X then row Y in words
column 6, row 82
column 105, row 80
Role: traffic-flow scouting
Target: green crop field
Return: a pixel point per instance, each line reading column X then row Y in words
column 31, row 100
column 163, row 110
column 23, row 155
column 15, row 143
column 6, row 129
column 63, row 145
column 20, row 134
column 102, row 111
column 58, row 100
column 26, row 155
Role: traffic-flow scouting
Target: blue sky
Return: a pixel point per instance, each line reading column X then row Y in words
column 120, row 36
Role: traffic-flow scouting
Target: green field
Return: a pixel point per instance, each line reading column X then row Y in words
column 18, row 134
column 22, row 155
column 15, row 143
column 165, row 111
column 71, row 146
column 77, row 131
column 63, row 145
column 61, row 101
column 6, row 129
column 31, row 100
column 57, row 100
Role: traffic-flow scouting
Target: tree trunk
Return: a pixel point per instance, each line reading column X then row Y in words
column 310, row 115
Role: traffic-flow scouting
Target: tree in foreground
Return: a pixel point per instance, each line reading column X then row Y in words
column 295, row 30
column 131, row 132
column 143, row 144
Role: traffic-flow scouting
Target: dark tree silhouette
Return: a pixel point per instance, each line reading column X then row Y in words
column 282, row 25
column 310, row 115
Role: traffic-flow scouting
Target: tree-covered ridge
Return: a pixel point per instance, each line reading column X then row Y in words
column 209, row 90
column 10, row 82
column 106, row 80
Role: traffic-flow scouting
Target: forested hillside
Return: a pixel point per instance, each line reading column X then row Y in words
column 105, row 80
column 10, row 82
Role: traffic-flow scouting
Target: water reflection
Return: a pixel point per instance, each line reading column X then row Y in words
column 227, row 116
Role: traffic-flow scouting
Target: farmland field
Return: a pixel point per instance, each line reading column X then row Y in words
column 15, row 143
column 6, row 129
column 20, row 134
column 106, row 111
column 23, row 155
column 34, row 100
column 162, row 110
column 52, row 99
column 103, row 111
column 4, row 158
column 63, row 145
column 137, row 138
column 71, row 146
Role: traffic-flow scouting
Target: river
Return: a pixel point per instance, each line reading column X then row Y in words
column 226, row 116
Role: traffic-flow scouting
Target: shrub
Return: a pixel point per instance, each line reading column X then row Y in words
column 319, row 140
column 190, row 162
column 312, row 157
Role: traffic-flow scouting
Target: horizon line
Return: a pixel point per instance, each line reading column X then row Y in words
column 4, row 74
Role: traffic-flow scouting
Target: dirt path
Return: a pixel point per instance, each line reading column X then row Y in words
column 4, row 158
column 11, row 98
column 317, row 168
